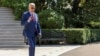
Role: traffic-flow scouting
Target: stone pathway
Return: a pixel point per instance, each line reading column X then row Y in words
column 40, row 51
column 86, row 50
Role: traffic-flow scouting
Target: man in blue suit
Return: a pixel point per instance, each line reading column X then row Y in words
column 31, row 27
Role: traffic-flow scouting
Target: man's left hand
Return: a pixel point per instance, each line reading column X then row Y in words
column 40, row 35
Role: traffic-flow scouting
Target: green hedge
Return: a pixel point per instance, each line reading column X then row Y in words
column 95, row 35
column 80, row 36
column 77, row 36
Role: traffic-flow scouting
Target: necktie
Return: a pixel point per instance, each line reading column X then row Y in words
column 33, row 17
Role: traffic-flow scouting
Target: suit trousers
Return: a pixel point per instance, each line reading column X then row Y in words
column 31, row 42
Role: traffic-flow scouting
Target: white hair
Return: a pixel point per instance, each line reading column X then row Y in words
column 33, row 4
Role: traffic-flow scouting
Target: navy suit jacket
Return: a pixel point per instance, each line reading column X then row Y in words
column 30, row 28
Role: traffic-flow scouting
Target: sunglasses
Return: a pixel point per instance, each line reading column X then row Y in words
column 32, row 8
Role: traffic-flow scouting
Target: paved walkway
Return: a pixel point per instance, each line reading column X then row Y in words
column 40, row 51
column 58, row 50
column 86, row 50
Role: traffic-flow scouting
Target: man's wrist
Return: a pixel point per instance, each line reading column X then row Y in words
column 28, row 21
column 40, row 34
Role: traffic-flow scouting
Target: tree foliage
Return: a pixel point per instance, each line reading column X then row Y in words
column 87, row 13
column 83, row 13
column 51, row 19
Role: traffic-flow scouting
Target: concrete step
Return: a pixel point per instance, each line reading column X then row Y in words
column 9, row 24
column 11, row 27
column 12, row 43
column 12, row 22
column 6, row 21
column 13, row 31
column 10, row 34
column 10, row 30
column 18, row 36
column 10, row 40
column 7, row 16
column 1, row 9
column 13, row 46
column 19, row 26
column 4, row 8
column 6, row 11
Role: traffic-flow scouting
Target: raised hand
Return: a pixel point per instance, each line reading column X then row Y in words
column 29, row 19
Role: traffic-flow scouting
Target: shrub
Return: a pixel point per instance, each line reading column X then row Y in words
column 95, row 25
column 51, row 19
column 76, row 36
column 19, row 9
column 95, row 35
column 80, row 36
